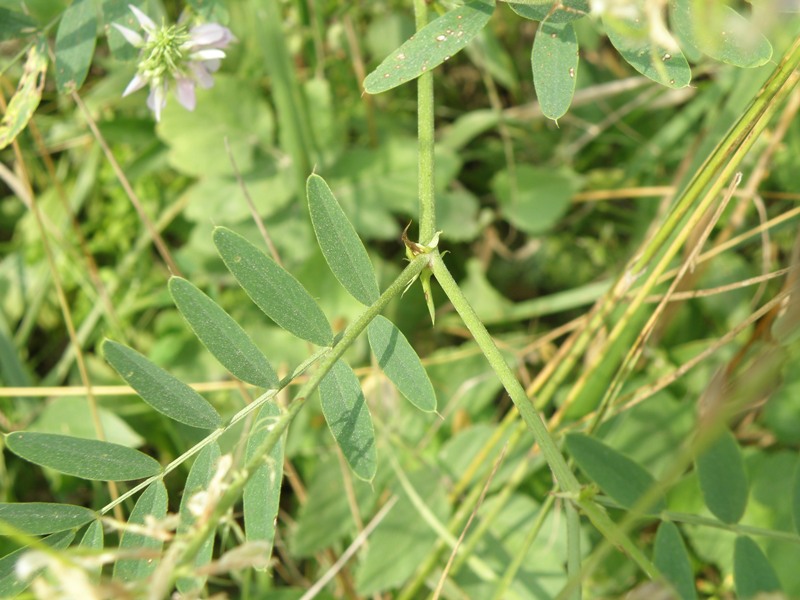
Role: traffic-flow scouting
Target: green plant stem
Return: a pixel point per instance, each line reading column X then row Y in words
column 425, row 134
column 564, row 477
column 236, row 487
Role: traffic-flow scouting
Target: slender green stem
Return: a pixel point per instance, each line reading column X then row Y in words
column 573, row 547
column 425, row 134
column 565, row 478
column 236, row 487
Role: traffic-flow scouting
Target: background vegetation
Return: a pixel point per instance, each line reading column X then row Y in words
column 539, row 219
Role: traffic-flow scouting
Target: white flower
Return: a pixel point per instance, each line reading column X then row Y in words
column 187, row 55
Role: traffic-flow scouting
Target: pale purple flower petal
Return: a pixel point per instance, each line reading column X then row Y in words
column 201, row 74
column 157, row 99
column 146, row 22
column 137, row 83
column 184, row 92
column 210, row 34
column 133, row 38
column 207, row 54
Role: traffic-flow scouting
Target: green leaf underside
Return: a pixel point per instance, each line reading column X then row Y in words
column 752, row 572
column 263, row 492
column 720, row 32
column 400, row 363
column 672, row 560
column 10, row 584
column 40, row 518
column 347, row 415
column 554, row 60
column 199, row 477
column 152, row 502
column 75, row 41
column 430, row 46
column 223, row 336
column 23, row 104
column 631, row 38
column 617, row 475
column 723, row 481
column 554, row 11
column 279, row 295
column 88, row 459
column 340, row 244
column 165, row 393
column 93, row 540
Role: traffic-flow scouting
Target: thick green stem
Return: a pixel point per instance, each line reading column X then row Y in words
column 425, row 134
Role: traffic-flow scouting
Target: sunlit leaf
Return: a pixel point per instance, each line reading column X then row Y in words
column 200, row 475
column 555, row 11
column 340, row 244
column 346, row 412
column 263, row 492
column 401, row 364
column 152, row 503
column 164, row 392
column 23, row 104
column 555, row 66
column 617, row 475
column 723, row 480
column 672, row 560
column 431, row 46
column 631, row 36
column 273, row 289
column 752, row 572
column 89, row 459
column 75, row 40
column 39, row 518
column 223, row 336
column 720, row 32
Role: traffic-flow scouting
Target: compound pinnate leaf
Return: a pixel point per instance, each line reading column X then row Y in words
column 262, row 493
column 340, row 244
column 167, row 394
column 430, row 46
column 631, row 36
column 152, row 503
column 75, row 40
column 200, row 476
column 401, row 364
column 616, row 474
column 223, row 336
column 39, row 518
column 723, row 480
column 554, row 60
column 672, row 560
column 10, row 583
column 554, row 11
column 347, row 415
column 752, row 572
column 28, row 95
column 720, row 32
column 279, row 295
column 88, row 459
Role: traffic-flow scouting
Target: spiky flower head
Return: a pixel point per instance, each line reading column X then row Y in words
column 188, row 55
